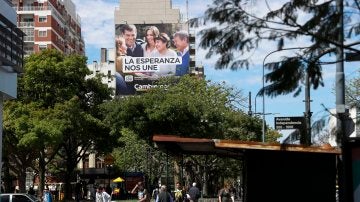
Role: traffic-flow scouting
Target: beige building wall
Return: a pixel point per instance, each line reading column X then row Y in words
column 146, row 12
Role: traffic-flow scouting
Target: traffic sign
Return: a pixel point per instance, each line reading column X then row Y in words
column 288, row 123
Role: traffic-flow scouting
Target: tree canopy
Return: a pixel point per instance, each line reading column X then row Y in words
column 57, row 111
column 189, row 108
column 236, row 32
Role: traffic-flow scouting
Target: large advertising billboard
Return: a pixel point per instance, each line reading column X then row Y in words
column 147, row 52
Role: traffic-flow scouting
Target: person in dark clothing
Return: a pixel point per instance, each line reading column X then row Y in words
column 226, row 194
column 194, row 193
column 134, row 49
column 164, row 195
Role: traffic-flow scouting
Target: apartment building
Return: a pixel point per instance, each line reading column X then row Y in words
column 49, row 24
column 11, row 56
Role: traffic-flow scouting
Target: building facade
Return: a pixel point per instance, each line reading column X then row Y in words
column 11, row 56
column 49, row 24
column 106, row 66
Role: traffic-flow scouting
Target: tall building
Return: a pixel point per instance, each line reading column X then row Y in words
column 11, row 57
column 49, row 24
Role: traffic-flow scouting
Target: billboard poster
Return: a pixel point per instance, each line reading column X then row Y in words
column 147, row 52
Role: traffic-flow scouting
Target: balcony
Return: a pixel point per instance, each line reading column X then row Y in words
column 25, row 24
column 29, row 38
column 41, row 8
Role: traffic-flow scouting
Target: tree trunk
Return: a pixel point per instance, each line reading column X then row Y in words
column 69, row 177
column 177, row 170
column 42, row 170
column 7, row 177
column 21, row 180
column 205, row 182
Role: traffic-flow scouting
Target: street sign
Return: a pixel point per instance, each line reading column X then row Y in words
column 288, row 123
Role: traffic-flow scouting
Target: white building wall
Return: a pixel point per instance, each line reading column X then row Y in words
column 106, row 68
column 333, row 124
column 146, row 12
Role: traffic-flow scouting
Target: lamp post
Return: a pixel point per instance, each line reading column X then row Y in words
column 255, row 112
column 263, row 114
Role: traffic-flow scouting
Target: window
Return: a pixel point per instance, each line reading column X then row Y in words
column 42, row 18
column 5, row 198
column 42, row 47
column 20, row 198
column 42, row 33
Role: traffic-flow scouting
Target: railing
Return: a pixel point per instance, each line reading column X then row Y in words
column 25, row 24
column 32, row 8
column 28, row 38
column 41, row 8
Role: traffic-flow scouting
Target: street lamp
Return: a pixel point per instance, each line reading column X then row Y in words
column 255, row 104
column 263, row 114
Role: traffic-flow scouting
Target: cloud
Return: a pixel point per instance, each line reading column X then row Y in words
column 97, row 22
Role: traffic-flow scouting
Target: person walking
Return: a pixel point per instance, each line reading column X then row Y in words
column 194, row 193
column 142, row 193
column 164, row 195
column 47, row 197
column 179, row 193
column 226, row 194
column 101, row 195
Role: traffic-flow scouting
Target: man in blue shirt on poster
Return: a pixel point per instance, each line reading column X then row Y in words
column 181, row 41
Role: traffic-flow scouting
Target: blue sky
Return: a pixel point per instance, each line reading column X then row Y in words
column 97, row 17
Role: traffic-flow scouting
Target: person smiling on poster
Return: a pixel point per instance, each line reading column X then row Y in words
column 134, row 49
column 151, row 32
column 181, row 42
column 162, row 44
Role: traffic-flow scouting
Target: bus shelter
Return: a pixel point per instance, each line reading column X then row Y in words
column 272, row 172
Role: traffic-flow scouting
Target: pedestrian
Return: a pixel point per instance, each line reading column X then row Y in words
column 155, row 193
column 226, row 194
column 31, row 191
column 142, row 193
column 78, row 193
column 179, row 193
column 101, row 195
column 194, row 193
column 164, row 195
column 47, row 197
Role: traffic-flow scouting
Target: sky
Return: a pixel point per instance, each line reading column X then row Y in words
column 97, row 23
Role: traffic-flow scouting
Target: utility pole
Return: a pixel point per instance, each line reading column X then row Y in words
column 345, row 194
column 250, row 113
column 305, row 137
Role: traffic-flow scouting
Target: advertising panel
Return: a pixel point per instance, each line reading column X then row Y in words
column 147, row 52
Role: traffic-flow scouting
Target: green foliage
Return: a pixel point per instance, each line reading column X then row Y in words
column 50, row 77
column 191, row 108
column 235, row 33
column 352, row 94
column 57, row 111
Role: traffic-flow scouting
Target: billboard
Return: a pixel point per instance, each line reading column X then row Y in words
column 147, row 52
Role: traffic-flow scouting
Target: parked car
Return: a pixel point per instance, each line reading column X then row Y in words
column 18, row 197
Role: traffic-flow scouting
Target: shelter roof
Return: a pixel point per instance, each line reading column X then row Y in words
column 203, row 146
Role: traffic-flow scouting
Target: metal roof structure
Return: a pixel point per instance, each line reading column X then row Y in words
column 203, row 146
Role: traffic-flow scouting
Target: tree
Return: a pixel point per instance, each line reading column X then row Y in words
column 187, row 108
column 64, row 113
column 237, row 32
column 352, row 90
column 27, row 131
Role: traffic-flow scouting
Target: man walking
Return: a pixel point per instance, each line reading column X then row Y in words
column 194, row 193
